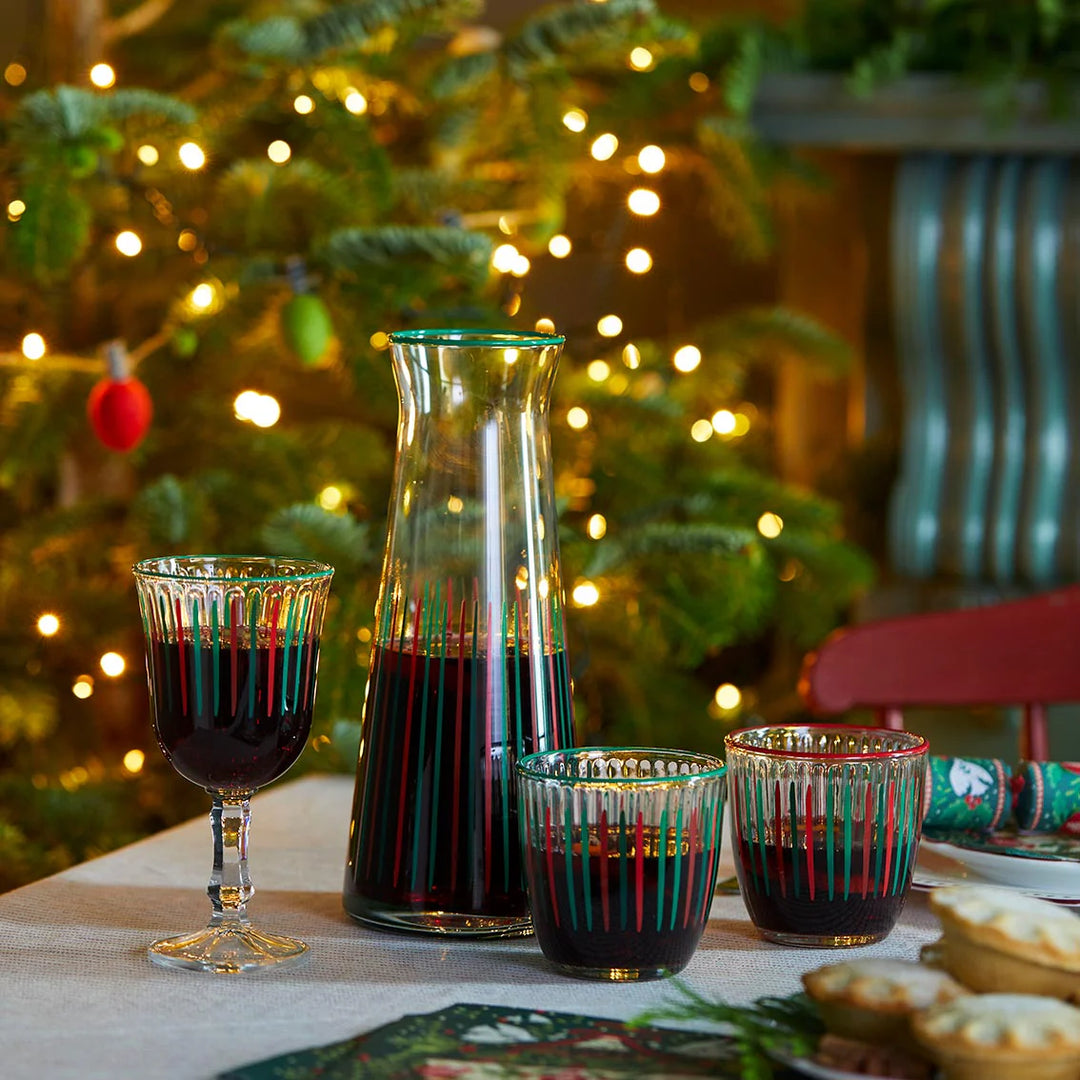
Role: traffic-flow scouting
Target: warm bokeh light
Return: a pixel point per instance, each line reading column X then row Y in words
column 15, row 209
column 48, row 624
column 699, row 82
column 577, row 418
column 266, row 411
column 355, row 102
column 192, row 156
column 728, row 696
column 770, row 525
column 331, row 497
column 455, row 504
column 598, row 370
column 651, row 158
column 701, row 431
column 609, row 326
column 545, row 326
column 687, row 358
column 559, row 246
column 604, row 146
column 102, row 76
column 504, row 258
column 575, row 119
column 585, row 594
column 113, row 664
column 640, row 59
column 631, row 356
column 14, row 74
column 723, row 421
column 148, row 154
column 83, row 686
column 303, row 104
column 643, row 201
column 202, row 296
column 33, row 346
column 245, row 404
column 128, row 243
column 134, row 760
column 521, row 266
column 597, row 527
column 279, row 151
column 742, row 424
column 638, row 261
column 187, row 240
column 380, row 340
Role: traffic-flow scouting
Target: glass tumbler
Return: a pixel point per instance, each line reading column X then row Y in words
column 621, row 853
column 825, row 825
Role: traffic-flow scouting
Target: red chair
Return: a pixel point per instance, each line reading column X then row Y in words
column 1021, row 652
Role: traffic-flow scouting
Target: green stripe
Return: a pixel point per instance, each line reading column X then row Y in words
column 444, row 615
column 879, row 845
column 678, row 866
column 661, row 871
column 624, row 885
column 830, row 838
column 425, row 636
column 848, row 789
column 901, row 826
column 215, row 641
column 301, row 633
column 289, row 628
column 761, row 833
column 568, row 851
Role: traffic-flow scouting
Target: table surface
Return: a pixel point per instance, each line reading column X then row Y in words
column 79, row 998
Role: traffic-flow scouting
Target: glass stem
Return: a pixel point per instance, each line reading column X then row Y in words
column 230, row 886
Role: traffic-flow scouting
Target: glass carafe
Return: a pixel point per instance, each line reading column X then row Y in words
column 468, row 669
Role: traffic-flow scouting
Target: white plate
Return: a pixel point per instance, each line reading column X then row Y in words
column 946, row 864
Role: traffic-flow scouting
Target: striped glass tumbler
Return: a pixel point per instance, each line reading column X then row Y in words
column 825, row 825
column 621, row 847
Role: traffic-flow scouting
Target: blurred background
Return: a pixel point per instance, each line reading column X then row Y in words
column 817, row 265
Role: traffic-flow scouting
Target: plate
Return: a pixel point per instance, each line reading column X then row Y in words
column 815, row 1069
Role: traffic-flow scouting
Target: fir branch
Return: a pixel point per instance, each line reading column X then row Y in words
column 669, row 538
column 351, row 249
column 70, row 113
column 53, row 232
column 758, row 333
column 307, row 531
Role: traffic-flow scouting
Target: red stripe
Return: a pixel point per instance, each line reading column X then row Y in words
column 406, row 744
column 489, row 738
column 457, row 747
column 779, row 845
column 809, row 839
column 690, row 869
column 273, row 652
column 548, row 844
column 868, row 825
column 604, row 869
column 180, row 650
column 639, row 870
column 234, row 618
column 890, row 832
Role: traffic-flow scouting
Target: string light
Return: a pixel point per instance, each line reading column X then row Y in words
column 597, row 527
column 728, row 696
column 354, row 101
column 643, row 201
column 279, row 151
column 148, row 154
column 187, row 240
column 521, row 266
column 134, row 760
column 770, row 525
column 699, row 82
column 545, row 326
column 686, row 359
column 701, row 431
column 609, row 326
column 192, row 156
column 585, row 594
column 504, row 258
column 102, row 76
column 521, row 579
column 578, row 418
column 113, row 664
column 723, row 421
column 651, row 158
column 506, row 226
column 559, row 246
column 128, row 243
column 262, row 410
column 331, row 497
column 604, row 146
column 575, row 120
column 83, row 687
column 14, row 74
column 789, row 571
column 33, row 346
column 455, row 504
column 631, row 356
column 303, row 104
column 640, row 59
column 48, row 624
column 638, row 261
column 380, row 340
column 598, row 370
column 742, row 424
column 15, row 209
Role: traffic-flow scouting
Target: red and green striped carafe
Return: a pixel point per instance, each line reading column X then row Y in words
column 468, row 669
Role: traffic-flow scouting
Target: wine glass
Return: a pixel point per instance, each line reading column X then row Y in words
column 232, row 651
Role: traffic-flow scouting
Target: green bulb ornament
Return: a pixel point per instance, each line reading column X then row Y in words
column 307, row 327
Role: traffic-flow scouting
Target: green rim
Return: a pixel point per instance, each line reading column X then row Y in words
column 484, row 339
column 153, row 568
column 713, row 769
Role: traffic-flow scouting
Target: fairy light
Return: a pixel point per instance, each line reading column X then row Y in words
column 48, row 624
column 723, row 421
column 148, row 154
column 14, row 74
column 510, row 356
column 789, row 571
column 631, row 356
column 545, row 326
column 504, row 258
column 604, row 146
column 521, row 266
column 303, row 104
column 455, row 504
column 33, row 346
column 686, row 359
column 770, row 525
column 380, row 340
column 113, row 664
column 363, row 634
column 575, row 120
column 187, row 240
column 262, row 410
column 102, row 76
column 506, row 226
column 643, row 202
column 585, row 594
column 15, row 209
column 742, row 424
column 699, row 82
column 609, row 326
column 331, row 497
column 701, row 430
column 598, row 370
column 128, row 243
column 354, row 101
column 597, row 527
column 83, row 687
column 279, row 151
column 559, row 246
column 134, row 760
column 521, row 579
column 728, row 696
column 651, row 158
column 578, row 418
column 638, row 261
column 192, row 156
column 640, row 59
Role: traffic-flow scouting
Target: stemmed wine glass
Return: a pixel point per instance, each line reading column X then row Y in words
column 232, row 651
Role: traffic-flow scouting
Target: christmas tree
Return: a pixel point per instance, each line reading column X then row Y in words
column 216, row 212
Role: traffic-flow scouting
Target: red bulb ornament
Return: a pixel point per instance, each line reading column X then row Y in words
column 119, row 407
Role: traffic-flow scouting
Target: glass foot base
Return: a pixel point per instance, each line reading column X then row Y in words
column 434, row 921
column 820, row 941
column 613, row 974
column 228, row 950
